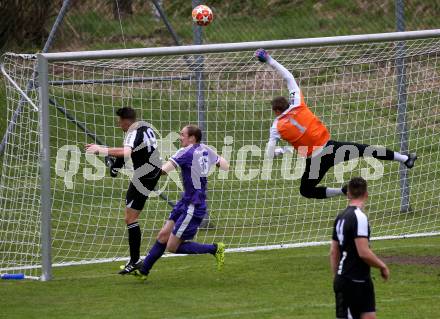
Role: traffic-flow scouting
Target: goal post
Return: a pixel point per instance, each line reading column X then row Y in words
column 58, row 206
column 45, row 165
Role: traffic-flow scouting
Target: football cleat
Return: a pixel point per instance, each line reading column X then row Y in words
column 130, row 267
column 140, row 275
column 220, row 255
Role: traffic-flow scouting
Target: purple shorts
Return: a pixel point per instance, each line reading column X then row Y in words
column 187, row 220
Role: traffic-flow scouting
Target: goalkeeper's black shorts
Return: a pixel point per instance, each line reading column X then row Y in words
column 318, row 166
column 356, row 297
column 138, row 191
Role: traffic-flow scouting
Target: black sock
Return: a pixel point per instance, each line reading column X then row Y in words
column 134, row 240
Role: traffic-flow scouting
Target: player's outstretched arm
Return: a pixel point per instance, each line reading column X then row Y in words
column 168, row 167
column 370, row 258
column 108, row 151
column 270, row 149
column 264, row 57
column 222, row 164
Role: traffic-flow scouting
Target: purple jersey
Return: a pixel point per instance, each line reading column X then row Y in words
column 195, row 162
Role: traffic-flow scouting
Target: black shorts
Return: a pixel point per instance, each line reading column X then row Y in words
column 318, row 166
column 138, row 191
column 354, row 296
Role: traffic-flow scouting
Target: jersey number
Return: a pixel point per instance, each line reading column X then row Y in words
column 340, row 231
column 341, row 263
column 150, row 140
column 204, row 165
column 340, row 234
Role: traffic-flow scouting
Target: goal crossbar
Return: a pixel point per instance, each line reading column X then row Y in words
column 242, row 46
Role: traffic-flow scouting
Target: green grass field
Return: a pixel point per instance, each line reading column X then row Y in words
column 287, row 283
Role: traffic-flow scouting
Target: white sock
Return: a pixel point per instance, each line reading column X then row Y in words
column 330, row 192
column 400, row 157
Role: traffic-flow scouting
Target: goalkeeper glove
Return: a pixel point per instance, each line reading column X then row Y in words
column 109, row 161
column 114, row 165
column 282, row 150
column 114, row 171
column 261, row 55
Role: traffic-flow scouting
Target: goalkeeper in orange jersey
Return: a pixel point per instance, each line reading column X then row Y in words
column 296, row 124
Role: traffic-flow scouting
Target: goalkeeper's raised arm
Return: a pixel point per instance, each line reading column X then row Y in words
column 294, row 91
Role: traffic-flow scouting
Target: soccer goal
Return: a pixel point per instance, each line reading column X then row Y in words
column 61, row 207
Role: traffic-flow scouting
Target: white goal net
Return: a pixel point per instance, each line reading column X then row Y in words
column 353, row 88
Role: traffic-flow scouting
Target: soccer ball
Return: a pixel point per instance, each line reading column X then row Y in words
column 202, row 15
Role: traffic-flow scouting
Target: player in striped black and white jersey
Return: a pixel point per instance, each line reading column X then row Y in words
column 351, row 258
column 140, row 145
column 299, row 126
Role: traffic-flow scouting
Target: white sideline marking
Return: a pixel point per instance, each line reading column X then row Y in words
column 233, row 250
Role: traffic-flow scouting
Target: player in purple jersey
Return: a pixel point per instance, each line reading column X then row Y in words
column 194, row 160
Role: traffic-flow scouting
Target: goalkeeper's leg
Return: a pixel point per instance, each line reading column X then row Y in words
column 318, row 166
column 365, row 150
column 314, row 172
